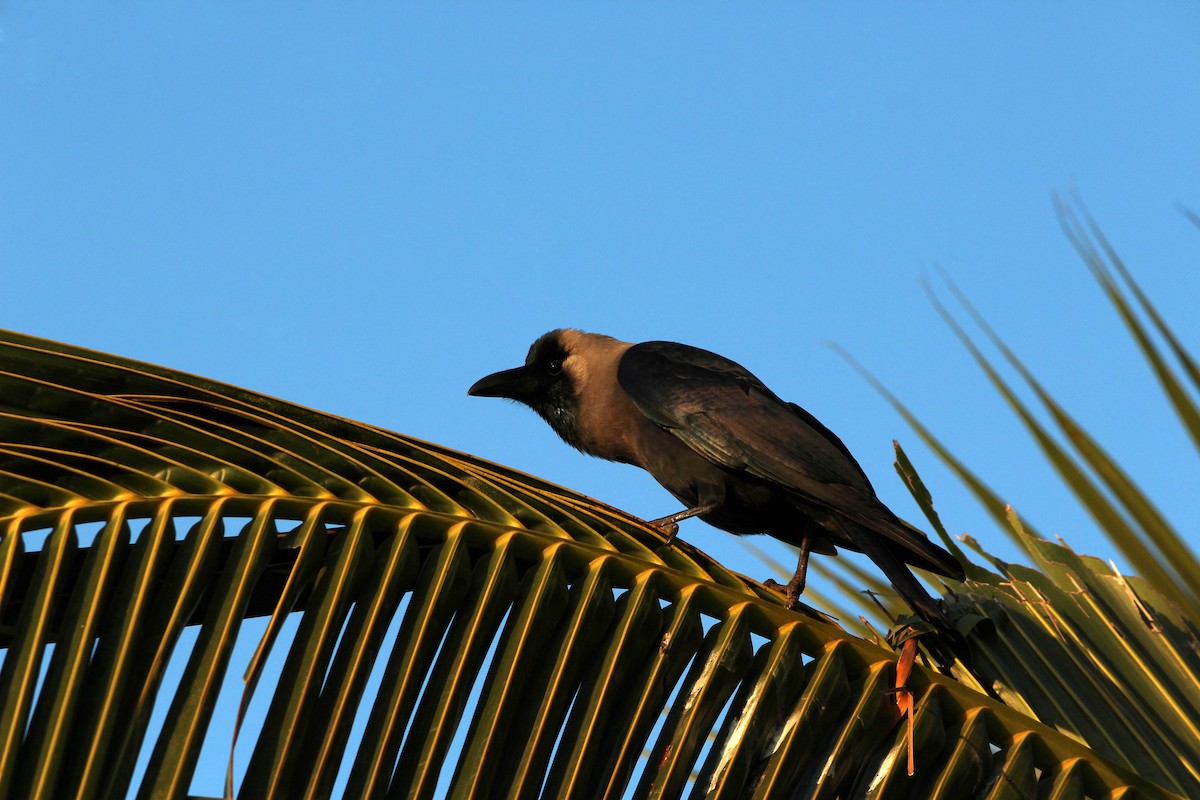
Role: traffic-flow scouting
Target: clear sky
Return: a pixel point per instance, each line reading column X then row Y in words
column 363, row 208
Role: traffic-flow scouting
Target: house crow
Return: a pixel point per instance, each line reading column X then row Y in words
column 731, row 451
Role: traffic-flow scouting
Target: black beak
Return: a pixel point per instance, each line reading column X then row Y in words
column 515, row 384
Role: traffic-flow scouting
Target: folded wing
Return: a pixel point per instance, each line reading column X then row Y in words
column 723, row 412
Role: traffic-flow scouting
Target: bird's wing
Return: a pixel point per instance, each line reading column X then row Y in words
column 721, row 411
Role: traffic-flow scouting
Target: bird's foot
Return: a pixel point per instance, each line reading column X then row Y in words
column 791, row 591
column 669, row 524
column 668, row 527
column 789, row 598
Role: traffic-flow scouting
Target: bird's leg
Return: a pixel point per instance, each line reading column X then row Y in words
column 795, row 586
column 670, row 524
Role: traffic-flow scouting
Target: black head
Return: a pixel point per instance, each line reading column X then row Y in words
column 544, row 384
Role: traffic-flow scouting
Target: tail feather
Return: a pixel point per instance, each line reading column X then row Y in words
column 884, row 553
column 873, row 519
column 921, row 552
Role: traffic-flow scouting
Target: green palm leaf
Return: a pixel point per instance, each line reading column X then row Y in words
column 1109, row 659
column 444, row 625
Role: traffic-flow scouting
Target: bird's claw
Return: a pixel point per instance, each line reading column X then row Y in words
column 667, row 528
column 791, row 591
column 789, row 600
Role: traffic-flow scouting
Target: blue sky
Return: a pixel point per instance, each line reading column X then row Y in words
column 363, row 208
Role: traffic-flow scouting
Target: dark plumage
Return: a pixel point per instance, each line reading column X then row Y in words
column 724, row 444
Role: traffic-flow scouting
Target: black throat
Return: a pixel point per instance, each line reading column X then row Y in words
column 560, row 409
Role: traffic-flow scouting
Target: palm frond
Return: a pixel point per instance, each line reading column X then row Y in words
column 445, row 626
column 1108, row 660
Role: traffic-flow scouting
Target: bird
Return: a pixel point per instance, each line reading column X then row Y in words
column 724, row 445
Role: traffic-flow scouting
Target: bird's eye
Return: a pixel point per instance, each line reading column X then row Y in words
column 554, row 366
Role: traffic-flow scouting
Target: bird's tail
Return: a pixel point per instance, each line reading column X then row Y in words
column 905, row 542
column 920, row 551
column 884, row 554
